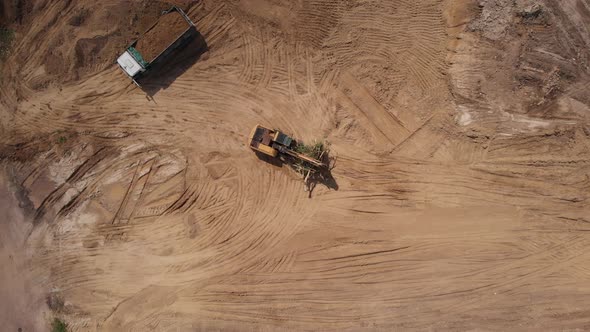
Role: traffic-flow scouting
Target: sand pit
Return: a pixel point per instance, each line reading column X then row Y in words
column 460, row 193
column 165, row 32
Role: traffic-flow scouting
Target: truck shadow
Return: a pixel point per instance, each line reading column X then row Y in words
column 164, row 73
column 322, row 176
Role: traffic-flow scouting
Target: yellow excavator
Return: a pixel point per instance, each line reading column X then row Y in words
column 277, row 144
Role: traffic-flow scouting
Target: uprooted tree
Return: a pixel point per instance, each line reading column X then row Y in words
column 318, row 150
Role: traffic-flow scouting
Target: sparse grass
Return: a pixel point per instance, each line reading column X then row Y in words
column 61, row 139
column 58, row 325
column 534, row 14
column 6, row 38
column 531, row 13
column 55, row 302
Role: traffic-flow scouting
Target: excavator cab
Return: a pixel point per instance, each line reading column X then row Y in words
column 282, row 139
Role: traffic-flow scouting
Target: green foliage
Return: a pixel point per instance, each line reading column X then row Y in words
column 6, row 38
column 58, row 326
column 314, row 150
column 61, row 139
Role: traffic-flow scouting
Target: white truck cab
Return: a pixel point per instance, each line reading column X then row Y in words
column 128, row 63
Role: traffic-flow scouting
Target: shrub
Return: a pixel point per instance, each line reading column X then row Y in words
column 58, row 326
column 314, row 150
column 6, row 38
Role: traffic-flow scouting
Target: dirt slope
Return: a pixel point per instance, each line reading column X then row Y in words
column 461, row 180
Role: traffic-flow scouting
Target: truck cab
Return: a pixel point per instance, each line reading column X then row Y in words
column 130, row 66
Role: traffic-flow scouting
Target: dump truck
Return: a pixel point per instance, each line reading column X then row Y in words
column 277, row 144
column 171, row 31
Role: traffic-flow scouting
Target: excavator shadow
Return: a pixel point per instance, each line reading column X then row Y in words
column 270, row 160
column 321, row 176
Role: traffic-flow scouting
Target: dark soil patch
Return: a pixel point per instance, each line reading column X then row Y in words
column 79, row 18
column 88, row 51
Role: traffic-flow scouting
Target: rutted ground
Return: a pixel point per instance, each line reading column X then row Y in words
column 461, row 176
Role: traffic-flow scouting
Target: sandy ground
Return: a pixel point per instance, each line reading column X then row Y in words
column 461, row 137
column 23, row 305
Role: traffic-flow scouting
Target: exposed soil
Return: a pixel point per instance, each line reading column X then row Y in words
column 461, row 182
column 529, row 68
column 22, row 304
column 166, row 31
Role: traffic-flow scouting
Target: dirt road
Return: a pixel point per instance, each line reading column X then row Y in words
column 461, row 138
